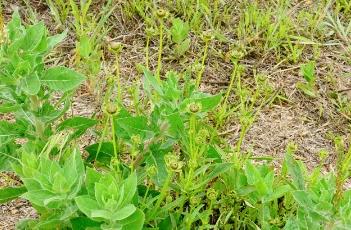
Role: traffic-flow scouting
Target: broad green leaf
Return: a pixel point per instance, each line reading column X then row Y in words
column 77, row 123
column 56, row 39
column 102, row 154
column 308, row 72
column 135, row 126
column 134, row 222
column 9, row 107
column 83, row 223
column 214, row 171
column 62, row 79
column 179, row 30
column 295, row 171
column 86, row 204
column 182, row 47
column 14, row 26
column 130, row 187
column 30, row 84
column 10, row 193
column 84, row 46
column 33, row 36
column 124, row 212
column 92, row 177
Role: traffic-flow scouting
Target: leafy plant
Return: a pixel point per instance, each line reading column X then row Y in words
column 308, row 73
column 27, row 87
column 179, row 33
column 51, row 188
column 111, row 201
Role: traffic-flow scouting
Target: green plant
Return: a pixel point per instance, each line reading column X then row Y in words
column 308, row 73
column 111, row 201
column 27, row 88
column 51, row 188
column 179, row 33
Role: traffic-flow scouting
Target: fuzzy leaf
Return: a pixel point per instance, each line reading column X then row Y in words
column 62, row 79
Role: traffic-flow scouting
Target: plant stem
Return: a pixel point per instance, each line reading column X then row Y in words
column 200, row 73
column 159, row 60
column 118, row 76
column 147, row 52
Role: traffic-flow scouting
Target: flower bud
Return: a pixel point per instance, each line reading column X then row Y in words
column 161, row 13
column 211, row 194
column 111, row 109
column 194, row 107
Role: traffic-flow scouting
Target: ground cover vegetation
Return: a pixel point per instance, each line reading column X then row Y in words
column 177, row 114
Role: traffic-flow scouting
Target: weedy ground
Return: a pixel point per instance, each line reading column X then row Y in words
column 283, row 68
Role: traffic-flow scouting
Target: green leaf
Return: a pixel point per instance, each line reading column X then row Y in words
column 54, row 40
column 84, row 46
column 179, row 30
column 10, row 193
column 86, row 204
column 92, row 177
column 130, row 187
column 83, row 223
column 308, row 72
column 14, row 27
column 181, row 48
column 134, row 222
column 103, row 156
column 295, row 172
column 62, row 79
column 78, row 124
column 135, row 126
column 30, row 84
column 123, row 213
column 9, row 107
column 33, row 37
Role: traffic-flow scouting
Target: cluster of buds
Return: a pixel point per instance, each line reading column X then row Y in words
column 202, row 136
column 173, row 162
column 211, row 194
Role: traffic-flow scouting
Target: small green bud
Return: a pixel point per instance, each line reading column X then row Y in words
column 195, row 200
column 116, row 46
column 211, row 194
column 207, row 35
column 111, row 109
column 173, row 163
column 161, row 13
column 136, row 139
column 194, row 107
column 151, row 171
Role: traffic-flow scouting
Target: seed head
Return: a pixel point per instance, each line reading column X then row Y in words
column 161, row 13
column 211, row 194
column 111, row 109
column 194, row 107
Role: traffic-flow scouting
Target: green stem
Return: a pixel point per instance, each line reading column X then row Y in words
column 114, row 141
column 162, row 196
column 102, row 137
column 200, row 73
column 147, row 52
column 119, row 84
column 159, row 60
